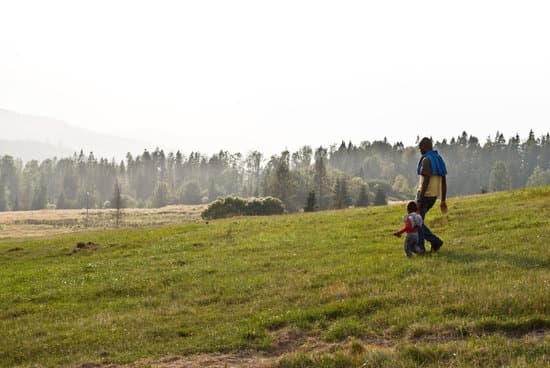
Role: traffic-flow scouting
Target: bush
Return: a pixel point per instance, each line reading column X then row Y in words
column 236, row 206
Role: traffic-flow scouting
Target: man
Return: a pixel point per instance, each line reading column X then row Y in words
column 432, row 184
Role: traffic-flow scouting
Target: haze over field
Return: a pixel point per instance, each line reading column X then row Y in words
column 246, row 75
column 31, row 137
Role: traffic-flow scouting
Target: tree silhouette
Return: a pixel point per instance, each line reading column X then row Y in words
column 363, row 199
column 380, row 197
column 117, row 203
column 499, row 178
column 311, row 202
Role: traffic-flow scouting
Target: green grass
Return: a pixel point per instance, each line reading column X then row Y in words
column 338, row 278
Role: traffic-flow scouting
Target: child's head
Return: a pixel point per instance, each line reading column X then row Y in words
column 411, row 207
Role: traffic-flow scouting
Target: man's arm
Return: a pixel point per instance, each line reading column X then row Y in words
column 443, row 188
column 443, row 204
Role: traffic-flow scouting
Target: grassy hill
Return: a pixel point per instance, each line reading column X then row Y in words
column 330, row 289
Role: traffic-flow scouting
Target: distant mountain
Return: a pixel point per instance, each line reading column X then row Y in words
column 35, row 137
column 32, row 150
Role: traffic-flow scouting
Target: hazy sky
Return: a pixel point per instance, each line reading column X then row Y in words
column 269, row 75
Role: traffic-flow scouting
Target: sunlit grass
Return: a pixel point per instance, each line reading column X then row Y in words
column 237, row 284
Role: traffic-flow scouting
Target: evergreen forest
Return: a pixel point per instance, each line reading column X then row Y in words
column 339, row 176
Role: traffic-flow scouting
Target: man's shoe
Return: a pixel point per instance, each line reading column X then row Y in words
column 437, row 245
column 419, row 250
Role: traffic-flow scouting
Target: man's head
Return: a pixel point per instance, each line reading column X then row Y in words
column 411, row 207
column 425, row 145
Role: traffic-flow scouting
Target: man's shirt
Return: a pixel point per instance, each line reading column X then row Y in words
column 435, row 184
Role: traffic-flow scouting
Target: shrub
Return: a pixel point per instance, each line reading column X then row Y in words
column 236, row 206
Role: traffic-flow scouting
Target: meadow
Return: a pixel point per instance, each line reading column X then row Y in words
column 50, row 222
column 323, row 289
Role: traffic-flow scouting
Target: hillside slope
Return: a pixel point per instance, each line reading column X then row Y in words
column 330, row 289
column 27, row 150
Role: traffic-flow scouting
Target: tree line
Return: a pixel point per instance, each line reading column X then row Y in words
column 311, row 179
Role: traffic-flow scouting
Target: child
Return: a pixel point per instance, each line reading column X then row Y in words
column 413, row 223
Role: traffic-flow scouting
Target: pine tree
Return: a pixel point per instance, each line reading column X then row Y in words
column 363, row 199
column 341, row 197
column 380, row 197
column 311, row 202
column 117, row 203
column 16, row 204
column 39, row 199
column 320, row 173
column 499, row 178
column 190, row 193
column 283, row 186
column 539, row 177
column 160, row 196
column 212, row 191
column 61, row 202
column 3, row 198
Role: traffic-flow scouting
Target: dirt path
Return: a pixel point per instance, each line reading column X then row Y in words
column 209, row 361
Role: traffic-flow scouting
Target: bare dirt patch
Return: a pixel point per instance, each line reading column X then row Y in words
column 211, row 361
column 80, row 246
column 195, row 361
column 285, row 341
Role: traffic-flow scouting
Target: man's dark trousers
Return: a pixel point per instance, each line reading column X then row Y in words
column 425, row 234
